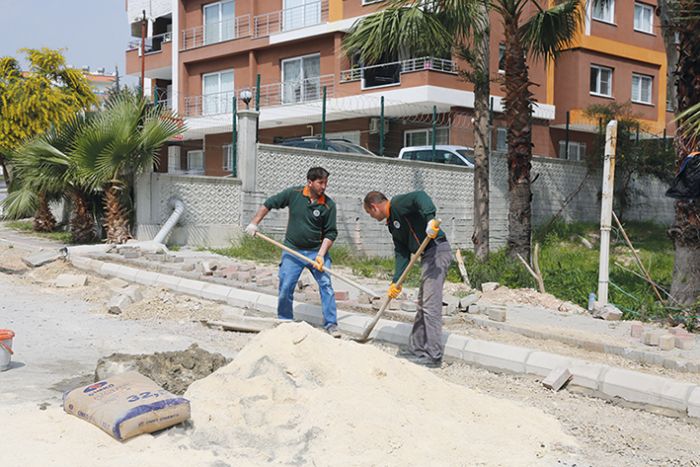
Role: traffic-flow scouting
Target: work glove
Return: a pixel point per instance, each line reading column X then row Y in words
column 432, row 229
column 394, row 291
column 318, row 264
column 252, row 229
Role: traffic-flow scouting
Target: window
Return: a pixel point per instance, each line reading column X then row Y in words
column 195, row 162
column 501, row 58
column 601, row 81
column 218, row 22
column 577, row 151
column 301, row 78
column 352, row 136
column 227, row 150
column 300, row 14
column 422, row 137
column 641, row 88
column 173, row 159
column 643, row 18
column 604, row 10
column 501, row 140
column 217, row 93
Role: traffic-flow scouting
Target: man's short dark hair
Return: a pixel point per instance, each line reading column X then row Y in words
column 374, row 197
column 316, row 173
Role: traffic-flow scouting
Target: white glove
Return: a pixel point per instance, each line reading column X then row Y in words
column 252, row 229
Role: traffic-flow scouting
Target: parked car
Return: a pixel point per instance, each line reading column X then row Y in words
column 444, row 154
column 333, row 144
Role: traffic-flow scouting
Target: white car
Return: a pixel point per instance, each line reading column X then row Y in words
column 444, row 154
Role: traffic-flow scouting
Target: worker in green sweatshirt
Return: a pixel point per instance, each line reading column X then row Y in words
column 410, row 218
column 311, row 230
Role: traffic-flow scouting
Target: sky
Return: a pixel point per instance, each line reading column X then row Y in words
column 93, row 33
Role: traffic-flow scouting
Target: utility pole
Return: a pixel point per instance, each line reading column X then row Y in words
column 143, row 51
column 606, row 210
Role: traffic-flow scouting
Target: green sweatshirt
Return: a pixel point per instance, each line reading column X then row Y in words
column 309, row 222
column 409, row 215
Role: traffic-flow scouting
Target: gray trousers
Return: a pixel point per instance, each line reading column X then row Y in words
column 426, row 337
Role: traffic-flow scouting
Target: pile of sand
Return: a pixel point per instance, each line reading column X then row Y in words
column 296, row 395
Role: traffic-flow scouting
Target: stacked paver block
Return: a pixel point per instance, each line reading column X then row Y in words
column 497, row 312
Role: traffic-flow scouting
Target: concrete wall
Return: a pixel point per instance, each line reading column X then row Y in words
column 217, row 208
column 212, row 208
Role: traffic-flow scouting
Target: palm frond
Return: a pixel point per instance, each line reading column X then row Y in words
column 20, row 203
column 552, row 30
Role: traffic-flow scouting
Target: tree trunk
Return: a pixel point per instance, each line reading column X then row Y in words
column 518, row 113
column 685, row 232
column 43, row 218
column 82, row 225
column 116, row 218
column 482, row 92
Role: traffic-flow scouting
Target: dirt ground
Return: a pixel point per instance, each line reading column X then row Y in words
column 608, row 434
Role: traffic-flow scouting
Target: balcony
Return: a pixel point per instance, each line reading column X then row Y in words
column 213, row 33
column 389, row 74
column 153, row 43
column 276, row 94
column 290, row 19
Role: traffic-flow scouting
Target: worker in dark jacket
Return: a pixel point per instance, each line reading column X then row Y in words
column 410, row 218
column 311, row 230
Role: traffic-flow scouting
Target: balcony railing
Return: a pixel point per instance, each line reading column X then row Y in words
column 286, row 93
column 213, row 33
column 290, row 19
column 152, row 43
column 385, row 74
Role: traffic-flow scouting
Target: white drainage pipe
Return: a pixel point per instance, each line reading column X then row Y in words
column 178, row 208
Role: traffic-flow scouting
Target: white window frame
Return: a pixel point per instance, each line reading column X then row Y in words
column 302, row 97
column 369, row 2
column 577, row 150
column 650, row 10
column 427, row 132
column 220, row 35
column 610, row 10
column 598, row 81
column 642, row 79
column 219, row 96
column 190, row 169
column 227, row 151
column 309, row 13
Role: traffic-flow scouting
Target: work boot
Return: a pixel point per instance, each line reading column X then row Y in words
column 333, row 331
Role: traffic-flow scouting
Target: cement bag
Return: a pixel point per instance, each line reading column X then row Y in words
column 127, row 405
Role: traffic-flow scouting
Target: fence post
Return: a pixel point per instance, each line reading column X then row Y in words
column 381, row 128
column 234, row 138
column 323, row 121
column 566, row 147
column 247, row 149
column 606, row 210
column 434, row 128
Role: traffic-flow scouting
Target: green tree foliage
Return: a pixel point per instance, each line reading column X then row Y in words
column 48, row 93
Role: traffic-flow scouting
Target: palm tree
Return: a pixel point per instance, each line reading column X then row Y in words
column 121, row 142
column 530, row 30
column 682, row 18
column 46, row 170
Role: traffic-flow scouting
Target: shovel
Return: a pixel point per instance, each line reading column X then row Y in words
column 385, row 305
column 310, row 261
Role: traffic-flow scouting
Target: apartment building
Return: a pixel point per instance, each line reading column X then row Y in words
column 199, row 56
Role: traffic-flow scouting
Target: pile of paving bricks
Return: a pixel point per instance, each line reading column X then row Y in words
column 669, row 339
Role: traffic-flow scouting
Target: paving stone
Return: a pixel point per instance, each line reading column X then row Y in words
column 243, row 276
column 497, row 313
column 187, row 267
column 644, row 388
column 174, row 259
column 70, row 280
column 611, row 313
column 489, row 286
column 678, row 330
column 228, row 271
column 377, row 303
column 264, row 281
column 557, row 378
column 450, row 305
column 542, row 363
column 41, row 258
column 155, row 257
column 694, row 403
column 131, row 254
column 469, row 300
column 118, row 304
column 684, row 342
column 650, row 338
column 395, row 305
column 474, row 309
column 246, row 267
column 409, row 306
column 636, row 330
column 667, row 341
column 342, row 295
